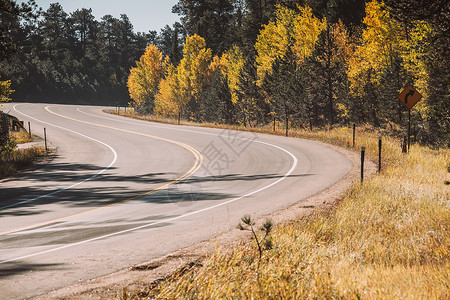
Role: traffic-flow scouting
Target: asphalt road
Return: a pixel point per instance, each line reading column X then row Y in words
column 120, row 192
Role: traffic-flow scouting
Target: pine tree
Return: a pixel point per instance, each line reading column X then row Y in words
column 284, row 87
column 251, row 104
column 326, row 72
column 210, row 19
column 427, row 26
column 13, row 19
column 84, row 27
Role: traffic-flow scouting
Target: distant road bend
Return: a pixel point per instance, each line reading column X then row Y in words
column 121, row 192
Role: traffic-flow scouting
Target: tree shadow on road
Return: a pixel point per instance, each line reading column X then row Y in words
column 31, row 191
column 18, row 267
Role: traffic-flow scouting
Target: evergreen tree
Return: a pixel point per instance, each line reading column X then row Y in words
column 210, row 19
column 216, row 99
column 251, row 105
column 435, row 60
column 257, row 14
column 54, row 29
column 284, row 88
column 170, row 42
column 350, row 12
column 326, row 72
column 13, row 23
column 84, row 27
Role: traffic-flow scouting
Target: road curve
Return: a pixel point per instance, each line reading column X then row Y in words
column 121, row 192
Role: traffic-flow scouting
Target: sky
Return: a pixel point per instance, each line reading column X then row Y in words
column 145, row 15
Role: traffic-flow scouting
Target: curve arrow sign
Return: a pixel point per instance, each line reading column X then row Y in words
column 410, row 96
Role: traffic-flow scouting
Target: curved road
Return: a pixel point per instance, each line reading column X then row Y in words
column 120, row 192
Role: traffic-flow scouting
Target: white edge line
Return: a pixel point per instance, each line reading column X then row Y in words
column 73, row 185
column 294, row 165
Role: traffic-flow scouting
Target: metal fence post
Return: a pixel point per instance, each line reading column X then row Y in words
column 354, row 134
column 363, row 152
column 379, row 155
column 45, row 139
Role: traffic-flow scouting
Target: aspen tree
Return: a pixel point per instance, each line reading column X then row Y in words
column 144, row 79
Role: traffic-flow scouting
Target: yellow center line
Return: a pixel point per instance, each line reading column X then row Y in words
column 190, row 172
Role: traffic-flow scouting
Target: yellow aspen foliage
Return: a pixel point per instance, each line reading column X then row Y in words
column 306, row 33
column 384, row 39
column 5, row 90
column 381, row 40
column 415, row 53
column 300, row 31
column 166, row 101
column 232, row 63
column 193, row 71
column 186, row 82
column 382, row 36
column 274, row 40
column 218, row 64
column 337, row 46
column 144, row 79
column 345, row 47
column 344, row 52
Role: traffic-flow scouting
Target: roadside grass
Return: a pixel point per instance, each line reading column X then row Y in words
column 20, row 137
column 387, row 239
column 13, row 160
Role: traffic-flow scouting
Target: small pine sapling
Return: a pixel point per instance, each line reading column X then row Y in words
column 264, row 242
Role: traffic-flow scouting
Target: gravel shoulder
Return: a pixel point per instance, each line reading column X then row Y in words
column 145, row 275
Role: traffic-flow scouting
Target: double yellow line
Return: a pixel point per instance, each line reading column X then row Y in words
column 198, row 163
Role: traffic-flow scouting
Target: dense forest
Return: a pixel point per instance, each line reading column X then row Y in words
column 57, row 56
column 305, row 63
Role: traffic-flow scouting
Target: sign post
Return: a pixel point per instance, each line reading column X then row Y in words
column 409, row 97
column 409, row 128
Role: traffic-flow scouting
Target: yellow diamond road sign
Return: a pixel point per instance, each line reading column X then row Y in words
column 409, row 96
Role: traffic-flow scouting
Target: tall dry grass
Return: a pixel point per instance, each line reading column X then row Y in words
column 13, row 160
column 387, row 239
column 20, row 137
column 18, row 160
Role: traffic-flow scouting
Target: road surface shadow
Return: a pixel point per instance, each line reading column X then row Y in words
column 17, row 268
column 50, row 186
column 73, row 233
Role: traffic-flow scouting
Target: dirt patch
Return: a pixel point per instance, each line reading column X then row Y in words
column 146, row 275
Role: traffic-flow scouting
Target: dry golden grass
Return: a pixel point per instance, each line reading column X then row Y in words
column 387, row 239
column 20, row 137
column 12, row 159
column 19, row 160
